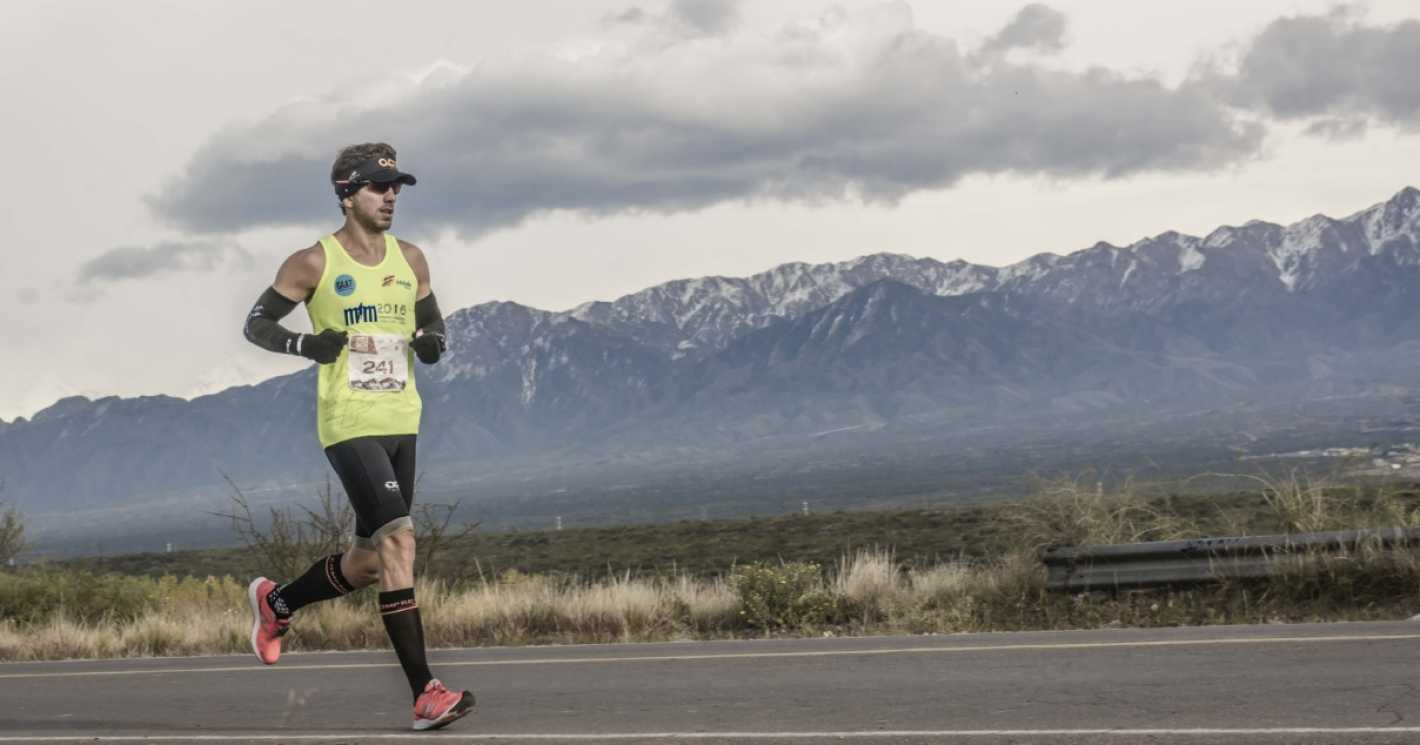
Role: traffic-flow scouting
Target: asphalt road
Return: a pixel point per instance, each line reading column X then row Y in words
column 1333, row 683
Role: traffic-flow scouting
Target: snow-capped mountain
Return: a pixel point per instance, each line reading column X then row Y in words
column 1152, row 273
column 528, row 377
column 1230, row 290
column 1316, row 308
column 706, row 313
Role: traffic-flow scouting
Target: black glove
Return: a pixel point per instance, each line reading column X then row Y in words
column 428, row 346
column 323, row 347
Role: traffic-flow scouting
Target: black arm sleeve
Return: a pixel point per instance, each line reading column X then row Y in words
column 429, row 343
column 427, row 317
column 262, row 327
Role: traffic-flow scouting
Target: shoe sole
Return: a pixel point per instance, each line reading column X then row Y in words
column 256, row 617
column 456, row 712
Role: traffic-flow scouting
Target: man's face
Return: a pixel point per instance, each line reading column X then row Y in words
column 373, row 205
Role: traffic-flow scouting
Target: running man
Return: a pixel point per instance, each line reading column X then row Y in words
column 372, row 311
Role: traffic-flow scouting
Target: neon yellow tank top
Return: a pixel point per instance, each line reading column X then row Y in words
column 370, row 389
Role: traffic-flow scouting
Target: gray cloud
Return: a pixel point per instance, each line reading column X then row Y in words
column 1035, row 26
column 134, row 262
column 684, row 18
column 634, row 14
column 853, row 106
column 1329, row 66
column 1339, row 129
column 709, row 17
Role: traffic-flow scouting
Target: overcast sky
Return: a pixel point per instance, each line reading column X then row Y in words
column 163, row 157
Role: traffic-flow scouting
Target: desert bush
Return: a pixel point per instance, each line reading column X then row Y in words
column 1306, row 504
column 35, row 595
column 1301, row 502
column 435, row 531
column 12, row 534
column 1008, row 593
column 868, row 584
column 1073, row 511
column 940, row 584
column 784, row 595
column 1393, row 508
column 291, row 538
column 1331, row 576
column 703, row 607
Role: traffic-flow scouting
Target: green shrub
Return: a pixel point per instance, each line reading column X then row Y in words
column 36, row 595
column 784, row 596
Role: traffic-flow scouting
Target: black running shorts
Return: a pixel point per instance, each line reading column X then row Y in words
column 378, row 476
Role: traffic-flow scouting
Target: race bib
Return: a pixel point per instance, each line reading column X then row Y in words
column 378, row 362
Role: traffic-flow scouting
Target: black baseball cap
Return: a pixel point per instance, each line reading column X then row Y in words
column 372, row 171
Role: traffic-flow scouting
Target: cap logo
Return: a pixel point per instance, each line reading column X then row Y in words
column 386, row 162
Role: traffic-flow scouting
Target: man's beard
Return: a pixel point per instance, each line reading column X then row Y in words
column 374, row 221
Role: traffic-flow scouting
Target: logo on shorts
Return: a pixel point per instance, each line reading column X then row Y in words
column 345, row 285
column 392, row 485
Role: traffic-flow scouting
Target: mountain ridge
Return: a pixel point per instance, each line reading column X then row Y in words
column 880, row 342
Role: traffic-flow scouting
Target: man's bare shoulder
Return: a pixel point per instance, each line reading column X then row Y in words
column 300, row 273
column 420, row 265
column 415, row 256
column 306, row 262
column 310, row 257
column 411, row 252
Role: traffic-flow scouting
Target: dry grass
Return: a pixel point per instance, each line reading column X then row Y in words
column 1007, row 594
column 870, row 580
column 1079, row 511
column 1303, row 503
column 518, row 609
column 868, row 591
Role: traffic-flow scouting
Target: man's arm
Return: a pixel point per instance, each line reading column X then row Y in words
column 295, row 281
column 429, row 340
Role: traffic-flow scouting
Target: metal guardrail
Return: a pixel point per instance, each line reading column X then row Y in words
column 1135, row 565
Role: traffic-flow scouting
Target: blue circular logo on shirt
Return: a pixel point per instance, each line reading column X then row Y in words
column 344, row 285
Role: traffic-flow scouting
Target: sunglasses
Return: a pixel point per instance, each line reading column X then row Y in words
column 384, row 187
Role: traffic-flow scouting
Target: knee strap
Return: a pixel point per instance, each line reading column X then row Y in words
column 384, row 531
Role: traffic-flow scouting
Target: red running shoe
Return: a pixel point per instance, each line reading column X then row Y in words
column 266, row 628
column 437, row 706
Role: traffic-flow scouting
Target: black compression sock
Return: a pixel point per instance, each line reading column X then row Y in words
column 401, row 616
column 322, row 581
